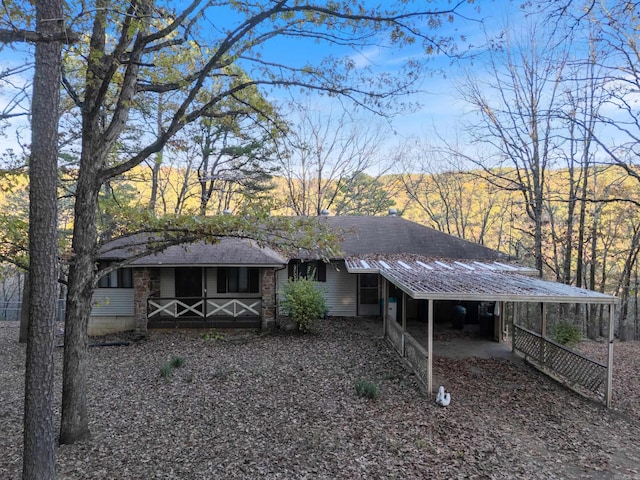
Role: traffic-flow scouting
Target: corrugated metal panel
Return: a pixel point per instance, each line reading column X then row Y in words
column 112, row 301
column 167, row 283
column 452, row 280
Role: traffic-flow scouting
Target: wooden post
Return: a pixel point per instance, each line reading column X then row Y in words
column 385, row 305
column 499, row 325
column 543, row 331
column 610, row 357
column 514, row 315
column 404, row 321
column 430, row 347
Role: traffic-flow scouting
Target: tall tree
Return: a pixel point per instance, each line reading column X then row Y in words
column 119, row 55
column 39, row 435
column 517, row 110
column 618, row 58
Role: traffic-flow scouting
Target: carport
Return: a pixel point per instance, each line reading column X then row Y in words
column 432, row 280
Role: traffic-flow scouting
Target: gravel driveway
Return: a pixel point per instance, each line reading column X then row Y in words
column 285, row 406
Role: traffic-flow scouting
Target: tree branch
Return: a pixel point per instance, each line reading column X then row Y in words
column 9, row 36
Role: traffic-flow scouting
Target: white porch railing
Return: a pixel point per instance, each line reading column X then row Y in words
column 203, row 307
column 233, row 307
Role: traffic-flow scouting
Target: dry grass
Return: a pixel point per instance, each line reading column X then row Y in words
column 285, row 406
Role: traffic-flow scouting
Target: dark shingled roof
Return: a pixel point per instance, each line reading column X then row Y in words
column 360, row 235
column 365, row 235
column 228, row 251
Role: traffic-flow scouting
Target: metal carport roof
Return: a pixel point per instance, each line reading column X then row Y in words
column 435, row 279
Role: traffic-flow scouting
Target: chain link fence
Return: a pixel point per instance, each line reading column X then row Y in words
column 10, row 311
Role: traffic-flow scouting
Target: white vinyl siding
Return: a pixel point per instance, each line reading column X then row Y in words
column 167, row 283
column 340, row 289
column 211, row 281
column 112, row 302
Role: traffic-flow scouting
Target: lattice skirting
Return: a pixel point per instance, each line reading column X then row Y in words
column 570, row 366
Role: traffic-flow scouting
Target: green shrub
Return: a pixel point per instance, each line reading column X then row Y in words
column 166, row 370
column 177, row 362
column 367, row 389
column 566, row 333
column 213, row 334
column 303, row 302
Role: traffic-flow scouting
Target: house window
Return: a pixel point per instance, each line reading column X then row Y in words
column 314, row 270
column 238, row 280
column 120, row 278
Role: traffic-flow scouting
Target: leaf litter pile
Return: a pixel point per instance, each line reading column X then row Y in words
column 196, row 404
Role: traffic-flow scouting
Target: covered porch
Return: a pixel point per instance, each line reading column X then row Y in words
column 508, row 288
column 204, row 297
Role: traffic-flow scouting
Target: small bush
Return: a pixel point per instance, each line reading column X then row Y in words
column 303, row 302
column 566, row 333
column 166, row 370
column 213, row 334
column 367, row 389
column 177, row 362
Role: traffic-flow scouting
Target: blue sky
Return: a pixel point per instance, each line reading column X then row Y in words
column 440, row 111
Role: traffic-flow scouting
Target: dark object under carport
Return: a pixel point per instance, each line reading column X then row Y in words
column 458, row 315
column 487, row 322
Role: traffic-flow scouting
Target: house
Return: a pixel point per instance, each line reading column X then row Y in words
column 388, row 267
column 234, row 283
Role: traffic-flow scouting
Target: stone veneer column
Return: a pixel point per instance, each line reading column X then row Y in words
column 268, row 299
column 141, row 292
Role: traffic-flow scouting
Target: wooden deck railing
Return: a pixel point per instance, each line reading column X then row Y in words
column 571, row 367
column 409, row 349
column 203, row 307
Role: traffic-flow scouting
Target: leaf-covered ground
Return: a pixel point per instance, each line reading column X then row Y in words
column 285, row 406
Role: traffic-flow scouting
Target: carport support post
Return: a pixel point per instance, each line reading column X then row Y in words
column 385, row 305
column 514, row 315
column 610, row 357
column 404, row 320
column 543, row 330
column 430, row 346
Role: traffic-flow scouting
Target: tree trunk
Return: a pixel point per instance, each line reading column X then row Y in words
column 75, row 418
column 625, row 329
column 39, row 437
column 157, row 162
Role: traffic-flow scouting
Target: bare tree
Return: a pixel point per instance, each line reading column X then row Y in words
column 15, row 92
column 452, row 199
column 517, row 107
column 327, row 162
column 618, row 62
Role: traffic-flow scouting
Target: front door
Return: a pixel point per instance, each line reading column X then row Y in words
column 369, row 294
column 189, row 290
